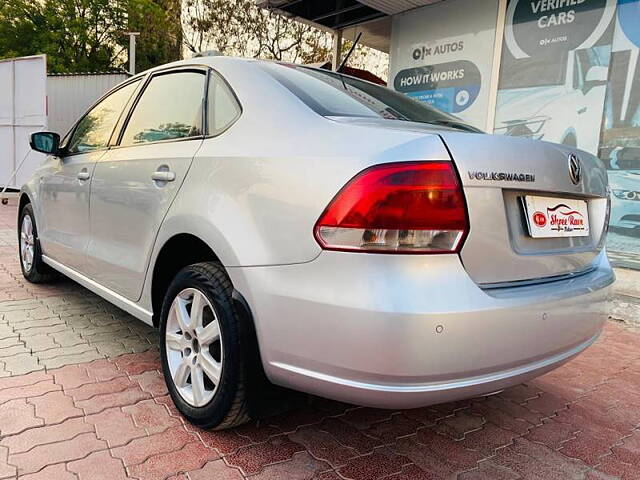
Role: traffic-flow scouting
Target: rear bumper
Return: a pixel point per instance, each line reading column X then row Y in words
column 406, row 331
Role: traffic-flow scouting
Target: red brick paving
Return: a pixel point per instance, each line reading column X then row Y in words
column 112, row 419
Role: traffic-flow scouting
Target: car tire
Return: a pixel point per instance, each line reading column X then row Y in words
column 33, row 267
column 190, row 352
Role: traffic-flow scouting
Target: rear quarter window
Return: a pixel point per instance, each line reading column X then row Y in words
column 223, row 107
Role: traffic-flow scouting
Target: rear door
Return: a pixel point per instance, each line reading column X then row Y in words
column 135, row 183
column 498, row 173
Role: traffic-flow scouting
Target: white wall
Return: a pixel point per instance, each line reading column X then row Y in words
column 23, row 110
column 71, row 95
column 30, row 102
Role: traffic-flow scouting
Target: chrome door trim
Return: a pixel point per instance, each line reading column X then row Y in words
column 109, row 295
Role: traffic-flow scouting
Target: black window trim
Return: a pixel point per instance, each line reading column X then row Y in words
column 203, row 69
column 143, row 80
column 72, row 130
column 126, row 110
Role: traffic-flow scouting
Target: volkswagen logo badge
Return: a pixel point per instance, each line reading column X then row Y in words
column 575, row 170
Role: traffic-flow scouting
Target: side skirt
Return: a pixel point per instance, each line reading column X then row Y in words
column 109, row 295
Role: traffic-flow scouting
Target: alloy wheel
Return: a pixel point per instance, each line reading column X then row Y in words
column 194, row 347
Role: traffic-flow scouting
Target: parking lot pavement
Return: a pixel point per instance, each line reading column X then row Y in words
column 81, row 397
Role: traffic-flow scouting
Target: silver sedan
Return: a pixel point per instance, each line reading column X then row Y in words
column 285, row 226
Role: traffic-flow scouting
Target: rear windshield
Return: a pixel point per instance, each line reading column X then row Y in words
column 331, row 94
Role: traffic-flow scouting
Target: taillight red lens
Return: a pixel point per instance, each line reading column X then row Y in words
column 412, row 207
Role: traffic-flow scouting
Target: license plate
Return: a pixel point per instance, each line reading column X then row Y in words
column 556, row 217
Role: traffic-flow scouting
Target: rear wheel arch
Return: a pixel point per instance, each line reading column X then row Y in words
column 179, row 251
column 184, row 249
column 186, row 348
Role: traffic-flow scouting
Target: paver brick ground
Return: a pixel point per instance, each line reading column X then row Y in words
column 82, row 397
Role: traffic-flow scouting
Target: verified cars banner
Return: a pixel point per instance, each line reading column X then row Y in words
column 554, row 70
column 536, row 27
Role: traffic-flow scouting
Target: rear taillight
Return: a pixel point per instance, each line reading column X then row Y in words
column 412, row 207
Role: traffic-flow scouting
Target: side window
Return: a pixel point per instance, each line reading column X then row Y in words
column 170, row 108
column 94, row 130
column 223, row 108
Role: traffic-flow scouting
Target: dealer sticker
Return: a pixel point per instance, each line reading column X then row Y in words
column 556, row 217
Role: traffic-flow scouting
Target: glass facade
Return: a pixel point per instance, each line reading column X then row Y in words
column 568, row 73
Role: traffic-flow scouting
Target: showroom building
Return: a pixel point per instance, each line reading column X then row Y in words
column 564, row 71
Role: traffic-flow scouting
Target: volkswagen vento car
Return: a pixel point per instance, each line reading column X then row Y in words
column 293, row 227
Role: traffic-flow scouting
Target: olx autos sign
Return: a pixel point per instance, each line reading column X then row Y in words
column 442, row 55
column 535, row 27
column 450, row 86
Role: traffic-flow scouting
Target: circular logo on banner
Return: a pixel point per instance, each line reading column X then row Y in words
column 540, row 219
column 535, row 27
column 462, row 98
column 629, row 18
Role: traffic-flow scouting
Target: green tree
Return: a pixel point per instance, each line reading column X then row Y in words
column 239, row 27
column 159, row 24
column 89, row 35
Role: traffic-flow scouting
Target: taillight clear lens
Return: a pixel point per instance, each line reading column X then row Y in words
column 413, row 207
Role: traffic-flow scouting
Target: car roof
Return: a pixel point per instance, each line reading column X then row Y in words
column 215, row 60
column 209, row 61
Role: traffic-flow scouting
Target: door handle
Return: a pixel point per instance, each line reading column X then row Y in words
column 582, row 110
column 84, row 175
column 163, row 176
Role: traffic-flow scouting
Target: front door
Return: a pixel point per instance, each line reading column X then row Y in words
column 64, row 207
column 135, row 183
column 66, row 183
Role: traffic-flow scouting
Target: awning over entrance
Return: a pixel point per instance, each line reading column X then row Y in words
column 371, row 17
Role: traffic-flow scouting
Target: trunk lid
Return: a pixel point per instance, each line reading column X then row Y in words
column 499, row 250
column 497, row 172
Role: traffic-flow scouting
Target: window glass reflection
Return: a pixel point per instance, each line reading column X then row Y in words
column 223, row 107
column 95, row 128
column 170, row 108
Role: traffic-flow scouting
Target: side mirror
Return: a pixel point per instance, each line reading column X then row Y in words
column 596, row 76
column 45, row 142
